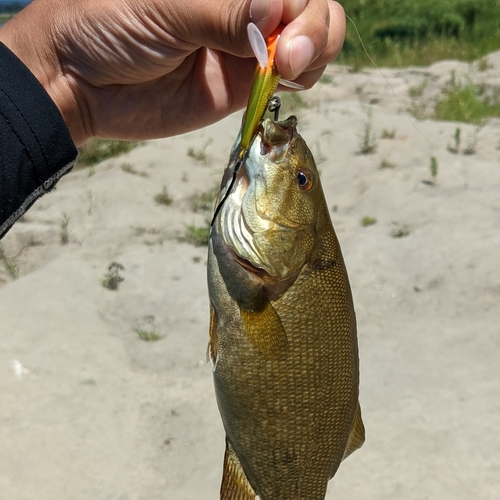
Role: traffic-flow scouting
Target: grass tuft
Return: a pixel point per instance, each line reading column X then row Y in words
column 147, row 335
column 97, row 150
column 204, row 202
column 466, row 102
column 130, row 169
column 64, row 223
column 387, row 164
column 368, row 142
column 400, row 229
column 198, row 236
column 200, row 154
column 113, row 278
column 388, row 134
column 368, row 221
column 10, row 266
column 164, row 197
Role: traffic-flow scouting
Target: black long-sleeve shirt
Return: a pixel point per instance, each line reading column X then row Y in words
column 36, row 149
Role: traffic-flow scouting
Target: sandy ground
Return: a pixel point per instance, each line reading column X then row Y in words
column 89, row 411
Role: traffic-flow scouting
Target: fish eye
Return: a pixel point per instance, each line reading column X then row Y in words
column 304, row 180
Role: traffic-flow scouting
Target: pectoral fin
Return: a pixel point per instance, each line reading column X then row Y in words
column 357, row 436
column 264, row 330
column 235, row 485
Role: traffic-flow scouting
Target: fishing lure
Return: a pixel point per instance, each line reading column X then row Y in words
column 264, row 84
column 265, row 81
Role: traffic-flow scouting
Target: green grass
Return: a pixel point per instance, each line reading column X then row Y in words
column 164, row 197
column 200, row 154
column 400, row 229
column 387, row 164
column 368, row 141
column 368, row 221
column 147, row 335
column 112, row 278
column 64, row 223
column 97, row 150
column 388, row 134
column 130, row 169
column 9, row 264
column 197, row 235
column 466, row 102
column 433, row 167
column 204, row 202
column 419, row 32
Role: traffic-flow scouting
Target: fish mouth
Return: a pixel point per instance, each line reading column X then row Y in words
column 275, row 137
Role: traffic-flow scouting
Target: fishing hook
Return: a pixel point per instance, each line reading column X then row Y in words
column 275, row 106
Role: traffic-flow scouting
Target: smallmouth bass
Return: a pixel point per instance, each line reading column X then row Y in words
column 282, row 325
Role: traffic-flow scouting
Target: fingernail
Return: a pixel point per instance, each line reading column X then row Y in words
column 301, row 53
column 259, row 9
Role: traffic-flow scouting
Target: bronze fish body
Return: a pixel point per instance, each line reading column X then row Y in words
column 282, row 327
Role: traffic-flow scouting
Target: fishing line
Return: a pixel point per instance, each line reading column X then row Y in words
column 229, row 189
column 274, row 106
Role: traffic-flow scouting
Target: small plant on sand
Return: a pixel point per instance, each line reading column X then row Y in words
column 368, row 144
column 368, row 221
column 324, row 78
column 471, row 147
column 417, row 90
column 388, row 134
column 147, row 335
column 466, row 102
column 200, row 154
column 387, row 164
column 96, row 150
column 164, row 197
column 204, row 202
column 434, row 169
column 112, row 278
column 64, row 223
column 10, row 266
column 400, row 229
column 198, row 236
column 455, row 147
column 483, row 64
column 130, row 169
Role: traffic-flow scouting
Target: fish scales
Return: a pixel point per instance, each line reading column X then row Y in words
column 285, row 354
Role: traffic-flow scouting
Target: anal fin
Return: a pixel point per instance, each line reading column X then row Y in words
column 265, row 331
column 357, row 436
column 235, row 485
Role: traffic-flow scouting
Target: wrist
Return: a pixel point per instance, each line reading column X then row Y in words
column 34, row 51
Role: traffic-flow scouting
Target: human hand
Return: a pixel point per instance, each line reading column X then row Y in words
column 132, row 69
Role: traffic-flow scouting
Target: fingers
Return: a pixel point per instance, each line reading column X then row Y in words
column 313, row 35
column 312, row 39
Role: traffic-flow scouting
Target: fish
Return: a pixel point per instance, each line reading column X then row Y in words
column 282, row 335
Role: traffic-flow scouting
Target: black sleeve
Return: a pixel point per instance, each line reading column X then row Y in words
column 36, row 149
